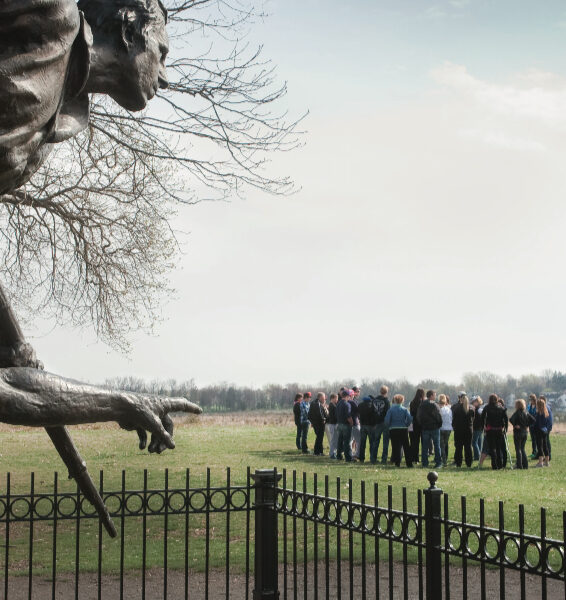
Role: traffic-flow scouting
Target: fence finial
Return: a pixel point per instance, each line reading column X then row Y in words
column 432, row 478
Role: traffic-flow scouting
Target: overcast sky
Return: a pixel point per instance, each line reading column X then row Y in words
column 428, row 236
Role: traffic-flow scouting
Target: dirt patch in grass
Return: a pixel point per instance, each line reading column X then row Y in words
column 214, row 587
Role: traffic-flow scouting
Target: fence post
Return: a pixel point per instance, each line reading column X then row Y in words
column 266, row 547
column 433, row 538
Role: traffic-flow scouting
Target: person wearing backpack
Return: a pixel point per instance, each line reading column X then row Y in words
column 368, row 421
column 297, row 416
column 382, row 405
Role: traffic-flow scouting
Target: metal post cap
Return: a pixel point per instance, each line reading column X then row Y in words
column 432, row 478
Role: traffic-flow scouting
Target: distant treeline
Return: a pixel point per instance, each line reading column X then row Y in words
column 226, row 397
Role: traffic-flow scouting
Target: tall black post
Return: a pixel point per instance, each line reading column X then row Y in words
column 266, row 564
column 433, row 538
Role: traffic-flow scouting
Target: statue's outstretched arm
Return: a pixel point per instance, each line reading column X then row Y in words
column 39, row 399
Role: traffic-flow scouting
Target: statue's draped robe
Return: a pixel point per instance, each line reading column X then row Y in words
column 44, row 65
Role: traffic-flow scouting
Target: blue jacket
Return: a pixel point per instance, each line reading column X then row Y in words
column 305, row 404
column 398, row 417
column 343, row 411
column 543, row 423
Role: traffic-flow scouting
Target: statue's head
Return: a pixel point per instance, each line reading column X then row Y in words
column 135, row 32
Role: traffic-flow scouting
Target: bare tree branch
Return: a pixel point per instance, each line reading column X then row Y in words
column 88, row 239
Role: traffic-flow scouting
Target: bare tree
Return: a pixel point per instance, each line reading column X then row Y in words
column 89, row 238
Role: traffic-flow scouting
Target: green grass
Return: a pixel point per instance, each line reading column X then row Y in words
column 221, row 443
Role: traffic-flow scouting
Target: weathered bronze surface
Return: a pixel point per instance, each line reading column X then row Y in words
column 53, row 53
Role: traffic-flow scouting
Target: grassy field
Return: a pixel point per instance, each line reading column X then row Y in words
column 260, row 441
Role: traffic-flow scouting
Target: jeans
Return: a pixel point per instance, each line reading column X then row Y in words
column 520, row 440
column 304, row 434
column 477, row 439
column 381, row 429
column 332, row 436
column 444, row 437
column 356, row 438
column 298, row 440
column 368, row 433
column 427, row 436
column 344, row 437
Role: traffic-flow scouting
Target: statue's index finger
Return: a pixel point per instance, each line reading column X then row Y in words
column 181, row 405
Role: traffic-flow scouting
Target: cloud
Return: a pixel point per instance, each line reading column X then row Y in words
column 502, row 140
column 535, row 95
column 435, row 12
column 452, row 8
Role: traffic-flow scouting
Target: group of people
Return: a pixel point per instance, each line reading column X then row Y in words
column 424, row 428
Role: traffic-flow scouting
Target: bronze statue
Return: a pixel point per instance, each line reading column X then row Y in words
column 53, row 53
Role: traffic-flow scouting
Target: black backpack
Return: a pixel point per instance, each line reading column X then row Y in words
column 380, row 406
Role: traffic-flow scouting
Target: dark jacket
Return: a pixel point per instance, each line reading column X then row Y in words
column 521, row 420
column 297, row 412
column 368, row 412
column 428, row 415
column 343, row 412
column 543, row 423
column 478, row 419
column 414, row 409
column 332, row 418
column 382, row 406
column 495, row 417
column 462, row 421
column 354, row 410
column 317, row 414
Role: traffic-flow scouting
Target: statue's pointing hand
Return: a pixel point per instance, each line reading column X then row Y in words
column 151, row 413
column 37, row 398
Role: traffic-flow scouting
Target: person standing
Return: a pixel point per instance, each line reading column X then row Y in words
column 397, row 421
column 356, row 427
column 368, row 420
column 495, row 424
column 477, row 433
column 446, row 427
column 532, row 410
column 297, row 416
column 428, row 416
column 344, row 426
column 543, row 424
column 330, row 427
column 551, row 421
column 521, row 420
column 317, row 417
column 305, row 405
column 382, row 405
column 463, row 423
column 415, row 433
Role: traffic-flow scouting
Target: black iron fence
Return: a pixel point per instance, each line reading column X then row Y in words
column 187, row 538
